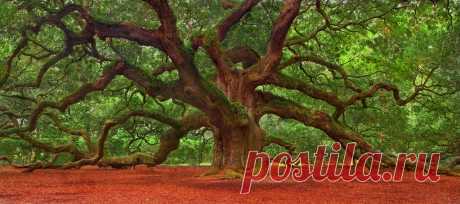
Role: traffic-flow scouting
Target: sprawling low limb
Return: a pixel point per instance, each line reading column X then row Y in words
column 270, row 104
column 23, row 133
column 64, row 148
column 108, row 126
column 288, row 109
column 169, row 142
column 69, row 148
column 75, row 132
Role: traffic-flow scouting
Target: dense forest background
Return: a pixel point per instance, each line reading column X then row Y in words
column 413, row 44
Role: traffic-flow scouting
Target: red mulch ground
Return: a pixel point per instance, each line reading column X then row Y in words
column 179, row 185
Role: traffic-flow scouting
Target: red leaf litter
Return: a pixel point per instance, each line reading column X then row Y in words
column 181, row 185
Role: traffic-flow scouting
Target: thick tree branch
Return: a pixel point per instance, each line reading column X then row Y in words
column 76, row 132
column 333, row 99
column 55, row 149
column 278, row 35
column 172, row 45
column 387, row 87
column 103, row 30
column 9, row 62
column 170, row 140
column 307, row 89
column 153, row 87
column 107, row 76
column 328, row 24
column 92, row 28
column 331, row 66
column 129, row 32
column 44, row 69
column 224, row 59
column 234, row 18
column 245, row 55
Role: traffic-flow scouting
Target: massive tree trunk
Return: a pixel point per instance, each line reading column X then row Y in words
column 232, row 143
column 234, row 137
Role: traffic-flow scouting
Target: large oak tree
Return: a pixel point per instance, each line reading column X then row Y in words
column 224, row 59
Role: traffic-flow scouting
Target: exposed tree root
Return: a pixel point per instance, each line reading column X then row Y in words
column 449, row 171
column 233, row 174
column 130, row 161
column 6, row 159
column 453, row 168
column 453, row 173
column 38, row 165
column 226, row 173
column 454, row 162
column 211, row 172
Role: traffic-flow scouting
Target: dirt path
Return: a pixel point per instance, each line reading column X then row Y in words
column 179, row 185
